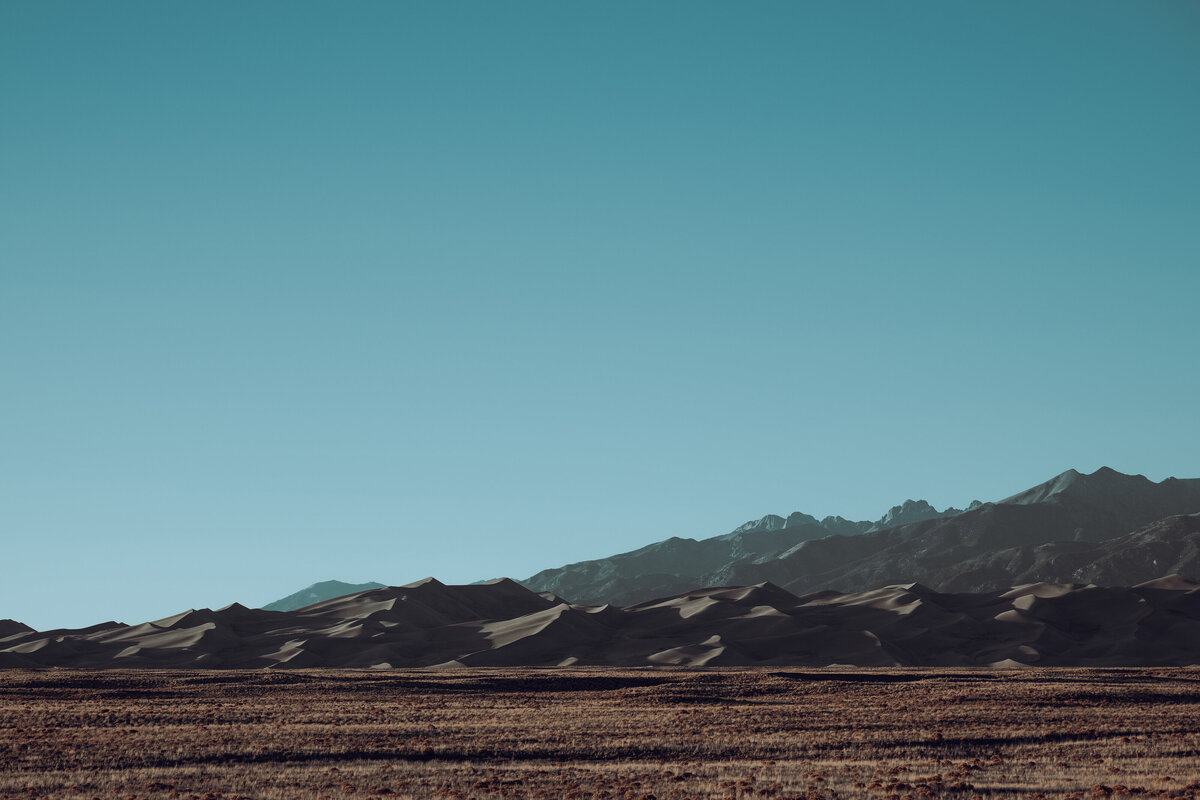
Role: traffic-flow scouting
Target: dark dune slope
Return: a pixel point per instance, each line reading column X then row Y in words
column 10, row 626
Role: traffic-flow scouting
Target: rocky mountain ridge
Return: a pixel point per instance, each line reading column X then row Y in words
column 1057, row 531
column 950, row 550
column 678, row 564
column 758, row 538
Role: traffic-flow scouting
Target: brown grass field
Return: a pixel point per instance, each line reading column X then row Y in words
column 667, row 734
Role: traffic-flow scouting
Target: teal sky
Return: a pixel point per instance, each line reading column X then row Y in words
column 373, row 291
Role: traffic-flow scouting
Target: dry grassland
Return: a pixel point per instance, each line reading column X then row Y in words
column 595, row 733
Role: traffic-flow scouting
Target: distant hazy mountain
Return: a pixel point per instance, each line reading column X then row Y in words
column 952, row 551
column 678, row 564
column 319, row 592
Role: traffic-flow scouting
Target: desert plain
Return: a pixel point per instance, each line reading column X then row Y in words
column 630, row 733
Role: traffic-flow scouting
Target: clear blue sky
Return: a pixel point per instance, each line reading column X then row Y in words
column 373, row 291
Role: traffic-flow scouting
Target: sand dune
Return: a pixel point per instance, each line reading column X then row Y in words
column 10, row 626
column 503, row 624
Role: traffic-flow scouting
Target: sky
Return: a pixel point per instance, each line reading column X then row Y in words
column 374, row 291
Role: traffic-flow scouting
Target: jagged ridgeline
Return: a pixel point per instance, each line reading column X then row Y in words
column 1067, row 529
column 1074, row 528
column 678, row 564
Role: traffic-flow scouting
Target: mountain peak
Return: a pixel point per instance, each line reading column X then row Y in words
column 799, row 518
column 771, row 522
column 910, row 511
column 1104, row 481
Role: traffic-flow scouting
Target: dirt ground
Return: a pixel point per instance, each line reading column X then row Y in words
column 667, row 734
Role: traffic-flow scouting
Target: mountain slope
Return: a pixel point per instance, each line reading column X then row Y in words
column 949, row 550
column 959, row 553
column 986, row 547
column 678, row 564
column 1169, row 546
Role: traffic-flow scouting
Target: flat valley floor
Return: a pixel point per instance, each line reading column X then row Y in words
column 667, row 734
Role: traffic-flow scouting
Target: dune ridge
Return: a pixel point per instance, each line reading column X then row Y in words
column 501, row 623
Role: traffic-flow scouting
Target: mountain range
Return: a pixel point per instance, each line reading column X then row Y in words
column 680, row 557
column 1073, row 528
column 1065, row 530
column 1082, row 569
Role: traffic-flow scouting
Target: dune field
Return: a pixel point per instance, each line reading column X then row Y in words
column 503, row 624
